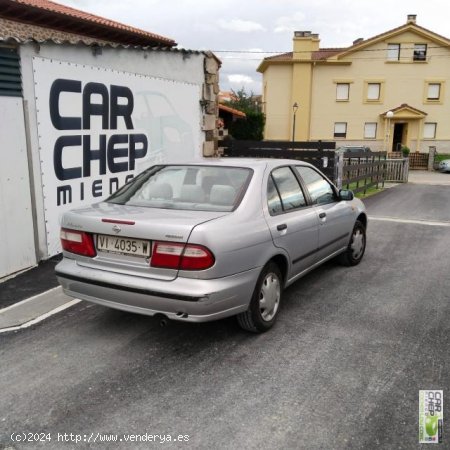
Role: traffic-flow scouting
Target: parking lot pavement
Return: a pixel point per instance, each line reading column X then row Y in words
column 412, row 201
column 341, row 369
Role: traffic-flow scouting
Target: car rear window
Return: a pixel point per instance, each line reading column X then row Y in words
column 186, row 187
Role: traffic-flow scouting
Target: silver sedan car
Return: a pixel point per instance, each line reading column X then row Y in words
column 444, row 165
column 204, row 241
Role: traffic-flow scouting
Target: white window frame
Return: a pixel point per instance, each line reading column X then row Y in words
column 370, row 130
column 431, row 87
column 371, row 96
column 393, row 52
column 429, row 130
column 342, row 92
column 340, row 129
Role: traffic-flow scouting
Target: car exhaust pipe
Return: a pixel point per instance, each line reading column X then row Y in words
column 163, row 320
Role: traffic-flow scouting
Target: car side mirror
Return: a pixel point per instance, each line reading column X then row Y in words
column 346, row 195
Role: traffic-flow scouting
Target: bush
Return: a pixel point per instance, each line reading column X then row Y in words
column 405, row 151
column 249, row 129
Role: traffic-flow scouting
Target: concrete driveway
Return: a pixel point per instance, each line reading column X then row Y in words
column 429, row 177
column 341, row 369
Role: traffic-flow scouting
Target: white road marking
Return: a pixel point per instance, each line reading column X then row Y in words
column 15, row 305
column 434, row 223
column 42, row 317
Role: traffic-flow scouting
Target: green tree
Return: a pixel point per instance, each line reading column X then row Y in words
column 252, row 127
column 242, row 101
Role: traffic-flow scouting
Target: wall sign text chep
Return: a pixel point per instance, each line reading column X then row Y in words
column 107, row 151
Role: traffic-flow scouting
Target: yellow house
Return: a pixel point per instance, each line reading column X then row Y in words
column 383, row 92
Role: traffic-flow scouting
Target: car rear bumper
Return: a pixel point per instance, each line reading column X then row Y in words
column 185, row 299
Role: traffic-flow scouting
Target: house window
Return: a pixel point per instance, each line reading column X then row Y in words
column 370, row 130
column 393, row 52
column 373, row 91
column 434, row 91
column 429, row 130
column 340, row 129
column 342, row 91
column 420, row 52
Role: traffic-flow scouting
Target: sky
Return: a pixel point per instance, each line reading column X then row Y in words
column 242, row 32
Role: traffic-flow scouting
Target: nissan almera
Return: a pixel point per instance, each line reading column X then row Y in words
column 203, row 241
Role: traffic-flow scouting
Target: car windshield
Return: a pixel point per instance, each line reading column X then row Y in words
column 186, row 187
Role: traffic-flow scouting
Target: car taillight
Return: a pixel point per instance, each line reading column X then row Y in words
column 77, row 242
column 172, row 255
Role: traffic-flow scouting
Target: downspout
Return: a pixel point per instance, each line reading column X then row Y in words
column 310, row 100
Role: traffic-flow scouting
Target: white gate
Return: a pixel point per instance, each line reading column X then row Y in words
column 17, row 247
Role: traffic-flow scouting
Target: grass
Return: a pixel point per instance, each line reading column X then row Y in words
column 369, row 192
column 439, row 158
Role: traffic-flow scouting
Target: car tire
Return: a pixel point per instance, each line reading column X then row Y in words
column 265, row 303
column 356, row 247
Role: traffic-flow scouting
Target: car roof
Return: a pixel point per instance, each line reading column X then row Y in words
column 250, row 163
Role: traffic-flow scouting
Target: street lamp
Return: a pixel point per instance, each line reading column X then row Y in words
column 294, row 111
column 389, row 116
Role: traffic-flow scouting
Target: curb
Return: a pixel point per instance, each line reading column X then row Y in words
column 34, row 309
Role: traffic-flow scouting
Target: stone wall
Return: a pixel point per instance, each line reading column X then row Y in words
column 23, row 31
column 210, row 104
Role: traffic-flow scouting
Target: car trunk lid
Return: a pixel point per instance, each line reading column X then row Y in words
column 123, row 235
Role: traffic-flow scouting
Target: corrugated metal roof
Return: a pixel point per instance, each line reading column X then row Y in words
column 16, row 40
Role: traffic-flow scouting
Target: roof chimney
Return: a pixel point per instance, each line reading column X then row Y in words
column 305, row 43
column 302, row 34
column 411, row 18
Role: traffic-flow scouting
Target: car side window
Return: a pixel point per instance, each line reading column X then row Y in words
column 273, row 199
column 318, row 187
column 283, row 191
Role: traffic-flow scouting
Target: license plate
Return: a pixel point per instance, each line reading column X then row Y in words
column 123, row 246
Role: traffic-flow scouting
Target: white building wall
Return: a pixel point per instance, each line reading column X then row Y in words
column 17, row 247
column 175, row 79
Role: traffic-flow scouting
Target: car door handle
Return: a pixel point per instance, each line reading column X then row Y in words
column 281, row 227
column 322, row 215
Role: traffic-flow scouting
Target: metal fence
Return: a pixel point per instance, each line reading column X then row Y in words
column 320, row 154
column 356, row 171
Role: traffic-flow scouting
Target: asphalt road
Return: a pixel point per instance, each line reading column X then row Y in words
column 341, row 369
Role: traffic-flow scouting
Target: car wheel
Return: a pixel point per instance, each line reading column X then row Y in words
column 355, row 250
column 265, row 302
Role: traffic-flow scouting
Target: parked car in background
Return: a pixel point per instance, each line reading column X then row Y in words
column 353, row 149
column 444, row 165
column 204, row 241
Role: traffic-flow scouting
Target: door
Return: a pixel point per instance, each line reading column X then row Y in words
column 293, row 224
column 16, row 223
column 400, row 135
column 335, row 217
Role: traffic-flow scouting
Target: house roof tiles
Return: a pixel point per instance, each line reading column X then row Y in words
column 319, row 55
column 325, row 53
column 233, row 111
column 48, row 14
